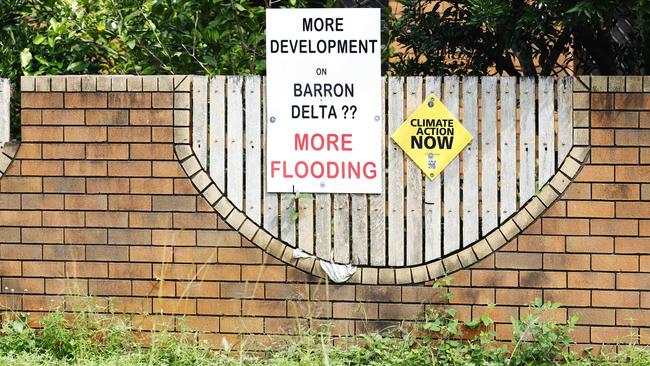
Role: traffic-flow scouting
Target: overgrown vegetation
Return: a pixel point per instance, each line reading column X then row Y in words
column 90, row 338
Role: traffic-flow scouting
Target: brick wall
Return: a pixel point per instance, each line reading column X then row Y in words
column 95, row 203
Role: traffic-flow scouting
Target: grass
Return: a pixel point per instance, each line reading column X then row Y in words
column 93, row 338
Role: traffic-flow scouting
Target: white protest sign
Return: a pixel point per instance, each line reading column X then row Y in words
column 323, row 101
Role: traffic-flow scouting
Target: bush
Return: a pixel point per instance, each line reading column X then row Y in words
column 91, row 338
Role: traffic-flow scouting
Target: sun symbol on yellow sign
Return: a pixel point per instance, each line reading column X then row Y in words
column 432, row 137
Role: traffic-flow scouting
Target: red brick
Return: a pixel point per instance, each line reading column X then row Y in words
column 612, row 262
column 151, row 186
column 152, row 151
column 108, row 185
column 632, row 138
column 174, row 271
column 20, row 251
column 613, row 335
column 492, row 278
column 565, row 226
column 66, row 286
column 129, row 203
column 569, row 297
column 129, row 236
column 632, row 245
column 170, row 169
column 107, row 117
column 615, row 191
column 589, row 316
column 219, row 307
column 129, row 134
column 63, row 117
column 615, row 299
column 150, row 220
column 29, row 117
column 20, row 218
column 632, row 101
column 219, row 272
column 267, row 273
column 542, row 279
column 590, row 209
column 43, row 269
column 107, row 151
column 566, row 261
column 109, row 287
column 10, row 268
column 42, row 201
column 64, row 151
column 150, row 254
column 614, row 119
column 85, row 236
column 129, row 100
column 64, row 252
column 584, row 280
column 195, row 255
column 633, row 209
column 633, row 281
column 589, row 244
column 42, row 235
column 162, row 134
column 241, row 325
column 129, row 168
column 86, row 269
column 42, row 303
column 129, row 270
column 162, row 100
column 242, row 290
column 107, row 253
column 42, row 168
column 107, row 219
column 85, row 202
column 153, row 288
column 174, row 203
column 596, row 173
column 152, row 117
column 240, row 255
column 41, row 133
column 602, row 137
column 639, row 173
column 264, row 307
column 85, row 134
column 85, row 100
column 615, row 155
column 41, row 100
column 518, row 260
column 21, row 184
column 63, row 218
column 195, row 220
column 614, row 227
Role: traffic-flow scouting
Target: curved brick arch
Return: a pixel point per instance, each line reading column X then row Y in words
column 367, row 274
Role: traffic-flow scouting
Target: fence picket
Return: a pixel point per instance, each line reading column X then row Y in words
column 253, row 149
column 217, row 131
column 5, row 107
column 395, row 174
column 508, row 179
column 489, row 184
column 564, row 117
column 324, row 226
column 470, row 161
column 341, row 216
column 546, row 126
column 270, row 199
column 200, row 119
column 288, row 213
column 526, row 139
column 432, row 199
column 414, row 183
column 451, row 175
column 306, row 223
column 235, row 176
column 377, row 203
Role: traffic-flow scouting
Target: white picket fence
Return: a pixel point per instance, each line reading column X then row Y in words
column 5, row 108
column 522, row 130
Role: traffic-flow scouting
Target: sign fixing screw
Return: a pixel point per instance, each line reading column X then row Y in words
column 272, row 119
column 377, row 118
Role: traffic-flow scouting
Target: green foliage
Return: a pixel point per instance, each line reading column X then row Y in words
column 473, row 37
column 92, row 338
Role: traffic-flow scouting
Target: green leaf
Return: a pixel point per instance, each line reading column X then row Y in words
column 39, row 39
column 25, row 58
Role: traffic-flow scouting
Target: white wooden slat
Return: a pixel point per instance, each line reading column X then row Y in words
column 253, row 130
column 414, row 248
column 377, row 202
column 546, row 129
column 564, row 117
column 451, row 176
column 359, row 215
column 324, row 226
column 526, row 139
column 489, row 184
column 306, row 222
column 341, row 228
column 508, row 178
column 470, row 161
column 270, row 199
column 235, row 176
column 200, row 119
column 5, row 107
column 432, row 195
column 395, row 174
column 288, row 211
column 217, row 164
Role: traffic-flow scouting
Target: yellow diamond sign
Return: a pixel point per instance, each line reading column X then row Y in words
column 432, row 137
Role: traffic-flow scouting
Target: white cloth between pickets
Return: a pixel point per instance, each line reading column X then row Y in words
column 338, row 273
